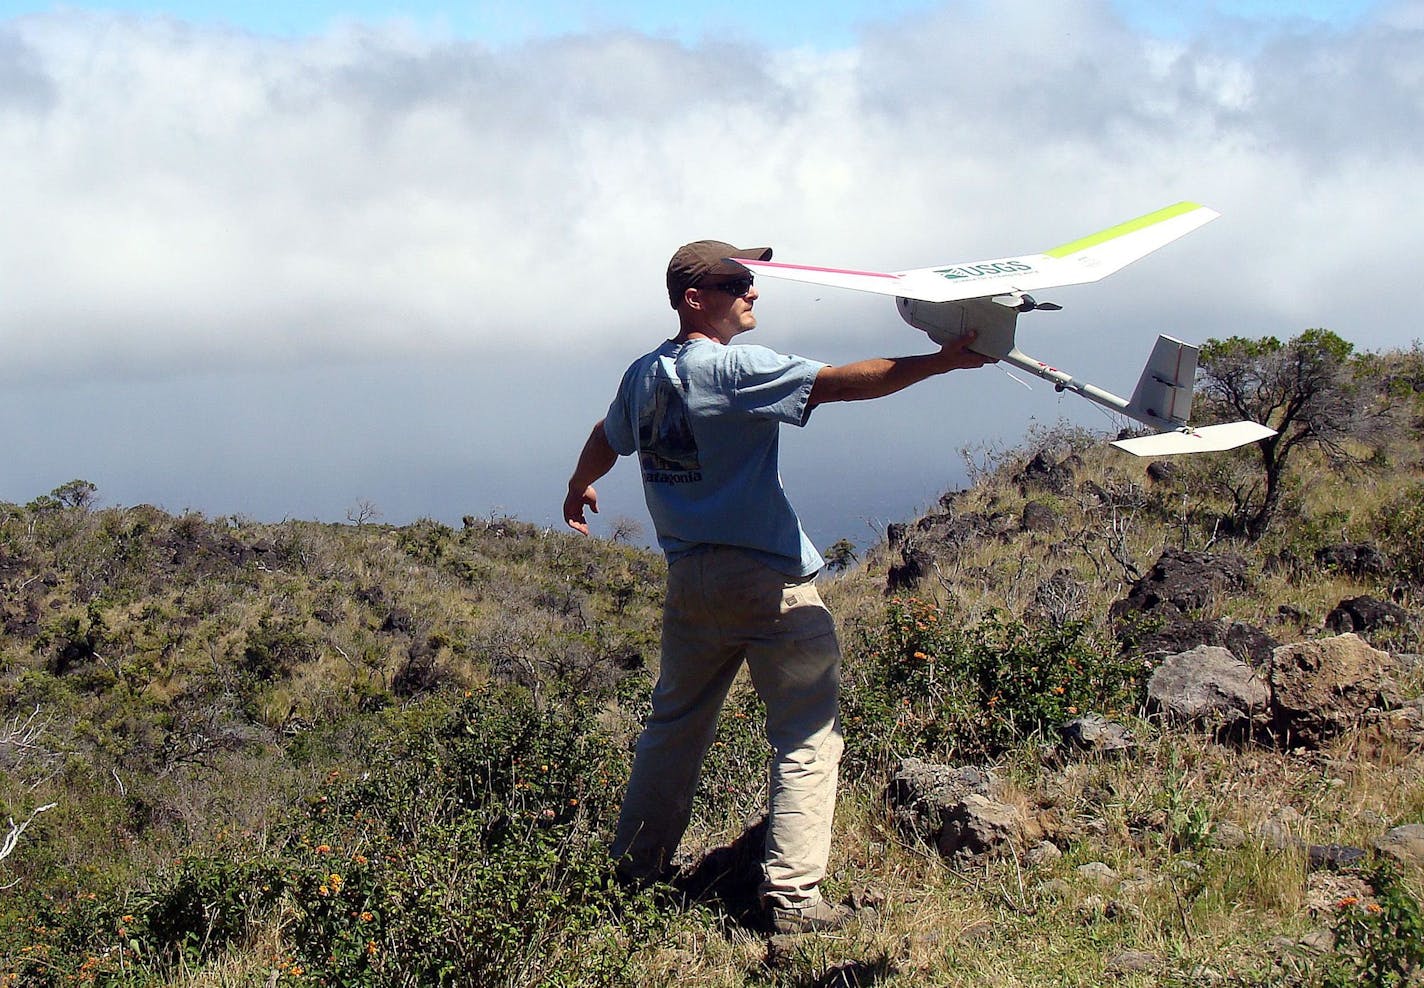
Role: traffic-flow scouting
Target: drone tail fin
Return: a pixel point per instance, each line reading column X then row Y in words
column 1164, row 392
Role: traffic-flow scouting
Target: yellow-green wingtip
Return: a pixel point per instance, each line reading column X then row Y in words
column 1123, row 229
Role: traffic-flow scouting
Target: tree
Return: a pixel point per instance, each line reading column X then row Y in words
column 1306, row 389
column 76, row 494
column 840, row 555
column 626, row 530
column 363, row 511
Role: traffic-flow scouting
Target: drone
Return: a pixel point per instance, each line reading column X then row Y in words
column 987, row 297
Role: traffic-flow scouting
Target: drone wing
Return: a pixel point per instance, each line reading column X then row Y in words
column 1076, row 263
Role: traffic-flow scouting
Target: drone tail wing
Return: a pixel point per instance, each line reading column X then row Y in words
column 1207, row 439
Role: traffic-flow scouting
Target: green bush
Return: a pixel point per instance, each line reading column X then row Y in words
column 473, row 852
column 919, row 684
column 206, row 904
column 1378, row 944
column 1400, row 525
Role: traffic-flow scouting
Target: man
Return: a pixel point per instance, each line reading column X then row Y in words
column 704, row 418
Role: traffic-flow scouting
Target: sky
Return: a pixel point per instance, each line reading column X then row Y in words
column 278, row 261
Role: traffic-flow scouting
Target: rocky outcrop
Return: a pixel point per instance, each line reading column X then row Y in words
column 1305, row 695
column 1095, row 735
column 1247, row 642
column 1320, row 688
column 1209, row 687
column 1181, row 584
column 1353, row 559
column 1365, row 614
column 1404, row 844
column 954, row 810
column 919, row 790
column 1047, row 473
column 940, row 537
column 1038, row 516
column 1163, row 471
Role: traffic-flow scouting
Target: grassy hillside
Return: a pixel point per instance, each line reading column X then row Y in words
column 235, row 753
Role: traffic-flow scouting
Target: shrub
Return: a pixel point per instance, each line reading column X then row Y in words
column 472, row 852
column 206, row 904
column 922, row 685
column 274, row 648
column 1379, row 943
column 1400, row 524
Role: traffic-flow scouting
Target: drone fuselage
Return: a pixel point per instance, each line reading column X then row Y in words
column 946, row 322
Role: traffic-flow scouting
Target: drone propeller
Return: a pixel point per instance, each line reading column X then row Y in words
column 1024, row 302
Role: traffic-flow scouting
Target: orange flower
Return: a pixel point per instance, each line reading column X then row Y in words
column 323, row 849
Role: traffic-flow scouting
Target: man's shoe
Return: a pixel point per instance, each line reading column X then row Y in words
column 819, row 917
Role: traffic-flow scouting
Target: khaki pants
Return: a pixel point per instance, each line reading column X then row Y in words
column 723, row 607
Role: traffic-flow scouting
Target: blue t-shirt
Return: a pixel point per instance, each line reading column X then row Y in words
column 705, row 421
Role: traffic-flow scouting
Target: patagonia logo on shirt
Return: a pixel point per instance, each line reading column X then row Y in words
column 667, row 448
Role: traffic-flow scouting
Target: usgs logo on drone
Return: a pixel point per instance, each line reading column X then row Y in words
column 983, row 270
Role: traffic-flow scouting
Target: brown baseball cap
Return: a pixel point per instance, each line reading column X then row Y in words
column 707, row 258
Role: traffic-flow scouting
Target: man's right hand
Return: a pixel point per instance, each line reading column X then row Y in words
column 963, row 357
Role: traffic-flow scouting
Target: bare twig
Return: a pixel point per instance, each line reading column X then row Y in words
column 8, row 843
column 23, row 737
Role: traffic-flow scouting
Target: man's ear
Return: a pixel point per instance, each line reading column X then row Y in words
column 693, row 297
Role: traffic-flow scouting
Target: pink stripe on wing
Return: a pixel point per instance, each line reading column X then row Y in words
column 809, row 267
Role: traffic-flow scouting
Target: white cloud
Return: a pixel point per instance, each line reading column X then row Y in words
column 181, row 199
column 180, row 196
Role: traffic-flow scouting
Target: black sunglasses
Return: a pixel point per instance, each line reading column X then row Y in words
column 736, row 288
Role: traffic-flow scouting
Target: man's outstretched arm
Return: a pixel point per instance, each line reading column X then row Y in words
column 596, row 460
column 881, row 376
